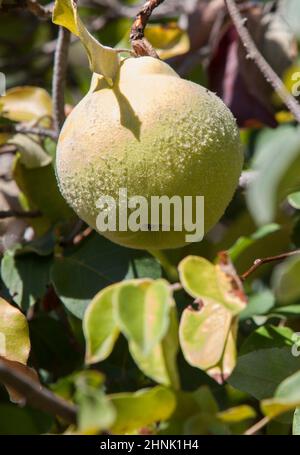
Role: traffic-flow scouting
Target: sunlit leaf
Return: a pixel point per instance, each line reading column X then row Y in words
column 14, row 334
column 168, row 40
column 24, row 104
column 203, row 333
column 286, row 398
column 202, row 279
column 294, row 200
column 142, row 408
column 32, row 154
column 296, row 422
column 103, row 60
column 100, row 327
column 142, row 310
column 227, row 362
column 160, row 364
column 237, row 414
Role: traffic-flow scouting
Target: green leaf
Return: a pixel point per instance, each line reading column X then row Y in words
column 203, row 333
column 96, row 412
column 296, row 422
column 261, row 371
column 93, row 265
column 39, row 186
column 100, row 327
column 259, row 303
column 204, row 280
column 160, row 364
column 103, row 60
column 267, row 336
column 278, row 172
column 23, row 421
column 14, row 334
column 237, row 414
column 245, row 242
column 142, row 310
column 140, row 409
column 26, row 276
column 294, row 200
column 286, row 398
column 32, row 154
column 286, row 282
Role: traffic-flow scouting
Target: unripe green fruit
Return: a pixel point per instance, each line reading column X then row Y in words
column 154, row 134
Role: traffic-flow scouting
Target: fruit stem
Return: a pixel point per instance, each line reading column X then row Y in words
column 169, row 268
column 140, row 44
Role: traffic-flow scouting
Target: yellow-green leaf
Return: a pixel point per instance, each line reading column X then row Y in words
column 14, row 334
column 160, row 364
column 203, row 333
column 286, row 398
column 103, row 60
column 169, row 40
column 237, row 414
column 24, row 104
column 226, row 365
column 202, row 279
column 100, row 328
column 142, row 310
column 142, row 408
column 32, row 154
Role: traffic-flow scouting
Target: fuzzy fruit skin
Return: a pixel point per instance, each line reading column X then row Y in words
column 154, row 134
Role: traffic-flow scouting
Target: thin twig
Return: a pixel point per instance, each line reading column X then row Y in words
column 257, row 426
column 140, row 44
column 59, row 77
column 260, row 61
column 36, row 395
column 44, row 132
column 7, row 149
column 19, row 214
column 258, row 262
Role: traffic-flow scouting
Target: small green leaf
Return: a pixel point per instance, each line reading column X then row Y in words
column 296, row 422
column 286, row 398
column 245, row 242
column 286, row 282
column 142, row 310
column 294, row 200
column 237, row 414
column 202, row 279
column 142, row 408
column 95, row 411
column 32, row 154
column 100, row 328
column 103, row 60
column 26, row 276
